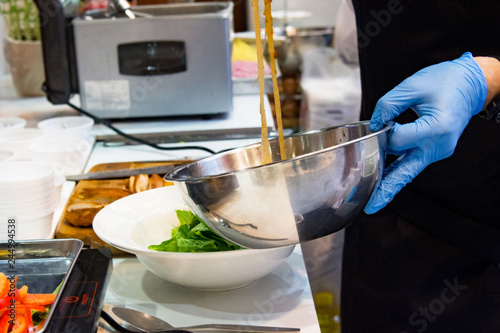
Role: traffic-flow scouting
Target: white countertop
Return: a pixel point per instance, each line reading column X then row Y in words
column 282, row 298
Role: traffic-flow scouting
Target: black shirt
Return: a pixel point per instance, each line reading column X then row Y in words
column 457, row 199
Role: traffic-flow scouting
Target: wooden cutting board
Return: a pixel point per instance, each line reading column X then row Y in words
column 64, row 229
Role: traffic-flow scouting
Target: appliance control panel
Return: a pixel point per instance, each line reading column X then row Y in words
column 152, row 58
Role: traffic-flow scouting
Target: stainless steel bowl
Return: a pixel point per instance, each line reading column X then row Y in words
column 326, row 180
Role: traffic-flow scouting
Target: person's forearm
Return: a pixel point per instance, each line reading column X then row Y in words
column 491, row 70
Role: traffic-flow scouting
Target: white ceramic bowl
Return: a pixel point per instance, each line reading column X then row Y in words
column 27, row 190
column 38, row 188
column 37, row 228
column 25, row 175
column 27, row 197
column 139, row 220
column 67, row 126
column 29, row 212
column 6, row 156
column 10, row 123
column 18, row 140
column 67, row 155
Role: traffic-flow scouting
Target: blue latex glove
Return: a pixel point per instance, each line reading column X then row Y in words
column 444, row 96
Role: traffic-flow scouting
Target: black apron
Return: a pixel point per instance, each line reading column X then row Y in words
column 428, row 262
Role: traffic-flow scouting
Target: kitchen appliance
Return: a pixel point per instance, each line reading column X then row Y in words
column 147, row 61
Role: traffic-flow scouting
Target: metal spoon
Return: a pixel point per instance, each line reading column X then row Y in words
column 121, row 329
column 149, row 323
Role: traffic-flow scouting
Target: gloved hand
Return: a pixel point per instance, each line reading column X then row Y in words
column 444, row 96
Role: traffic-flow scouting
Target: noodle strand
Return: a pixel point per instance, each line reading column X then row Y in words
column 266, row 150
column 273, row 56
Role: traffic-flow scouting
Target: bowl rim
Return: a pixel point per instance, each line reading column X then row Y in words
column 172, row 175
column 71, row 144
column 134, row 248
column 17, row 122
column 6, row 156
column 50, row 124
column 44, row 173
column 202, row 255
column 21, row 135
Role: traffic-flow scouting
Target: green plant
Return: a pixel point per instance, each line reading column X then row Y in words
column 21, row 18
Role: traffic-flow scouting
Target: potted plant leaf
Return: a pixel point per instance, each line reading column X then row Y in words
column 22, row 46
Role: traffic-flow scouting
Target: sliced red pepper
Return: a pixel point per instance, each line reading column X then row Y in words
column 24, row 304
column 22, row 293
column 29, row 322
column 30, row 307
column 4, row 323
column 21, row 308
column 20, row 324
column 39, row 299
column 17, row 297
column 25, row 311
column 4, row 302
column 4, row 285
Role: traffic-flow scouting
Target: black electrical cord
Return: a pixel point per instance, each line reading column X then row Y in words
column 108, row 124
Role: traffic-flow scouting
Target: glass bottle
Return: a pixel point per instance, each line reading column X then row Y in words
column 328, row 312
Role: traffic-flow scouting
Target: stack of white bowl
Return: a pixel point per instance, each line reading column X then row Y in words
column 18, row 140
column 10, row 123
column 15, row 139
column 6, row 156
column 28, row 198
column 65, row 145
column 67, row 126
column 67, row 155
